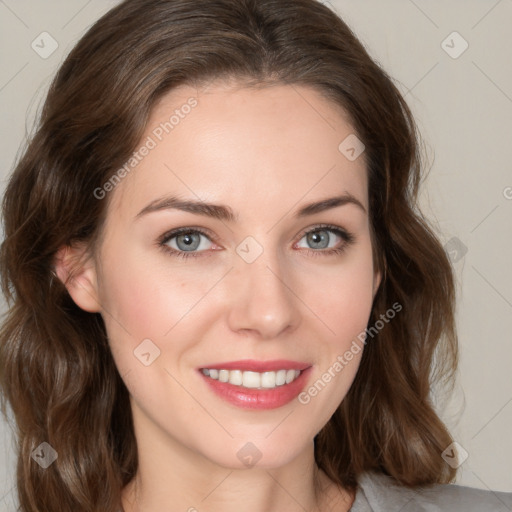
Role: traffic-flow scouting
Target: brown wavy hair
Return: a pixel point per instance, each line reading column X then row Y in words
column 56, row 370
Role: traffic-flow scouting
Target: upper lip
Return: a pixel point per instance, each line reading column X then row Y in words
column 259, row 366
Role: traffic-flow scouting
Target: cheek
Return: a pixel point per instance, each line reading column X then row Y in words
column 154, row 301
column 344, row 305
column 344, row 302
column 147, row 300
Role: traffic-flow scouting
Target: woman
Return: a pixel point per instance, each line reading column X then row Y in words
column 223, row 295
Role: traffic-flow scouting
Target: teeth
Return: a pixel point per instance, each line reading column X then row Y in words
column 254, row 380
column 251, row 380
column 280, row 377
column 268, row 380
column 235, row 377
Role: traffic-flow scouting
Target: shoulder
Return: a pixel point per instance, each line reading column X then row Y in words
column 380, row 493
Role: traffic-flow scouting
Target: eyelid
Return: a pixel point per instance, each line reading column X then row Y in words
column 187, row 229
column 326, row 227
column 347, row 237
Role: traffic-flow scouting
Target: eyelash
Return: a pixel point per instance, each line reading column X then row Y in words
column 348, row 238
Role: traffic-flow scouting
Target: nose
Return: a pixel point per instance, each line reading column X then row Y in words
column 262, row 299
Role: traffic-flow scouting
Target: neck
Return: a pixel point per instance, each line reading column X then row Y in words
column 172, row 477
column 232, row 493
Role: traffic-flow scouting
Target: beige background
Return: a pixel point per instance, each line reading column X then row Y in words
column 464, row 109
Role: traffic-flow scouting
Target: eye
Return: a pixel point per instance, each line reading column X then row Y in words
column 321, row 240
column 184, row 242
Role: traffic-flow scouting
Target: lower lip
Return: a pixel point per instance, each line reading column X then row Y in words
column 249, row 398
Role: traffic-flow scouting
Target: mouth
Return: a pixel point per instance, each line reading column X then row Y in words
column 252, row 384
column 253, row 380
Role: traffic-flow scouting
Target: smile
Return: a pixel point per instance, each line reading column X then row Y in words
column 253, row 380
column 250, row 384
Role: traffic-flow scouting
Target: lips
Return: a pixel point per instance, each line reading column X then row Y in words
column 251, row 384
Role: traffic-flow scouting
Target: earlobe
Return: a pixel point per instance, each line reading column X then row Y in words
column 77, row 271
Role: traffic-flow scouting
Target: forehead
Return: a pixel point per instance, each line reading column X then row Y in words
column 257, row 149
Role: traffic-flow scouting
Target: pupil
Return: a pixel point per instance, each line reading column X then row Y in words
column 318, row 237
column 187, row 241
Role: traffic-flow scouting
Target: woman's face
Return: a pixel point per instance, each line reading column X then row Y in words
column 262, row 291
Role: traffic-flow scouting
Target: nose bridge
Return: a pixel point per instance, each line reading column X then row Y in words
column 262, row 299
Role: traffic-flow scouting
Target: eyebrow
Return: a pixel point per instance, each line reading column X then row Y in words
column 225, row 213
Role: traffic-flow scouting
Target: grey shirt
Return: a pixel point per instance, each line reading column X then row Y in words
column 379, row 493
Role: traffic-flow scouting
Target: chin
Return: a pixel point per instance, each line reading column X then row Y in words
column 257, row 452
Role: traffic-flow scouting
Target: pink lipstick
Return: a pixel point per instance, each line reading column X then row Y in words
column 251, row 384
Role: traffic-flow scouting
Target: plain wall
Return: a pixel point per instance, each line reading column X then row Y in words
column 463, row 105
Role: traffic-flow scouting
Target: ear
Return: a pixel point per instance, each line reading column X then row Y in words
column 77, row 271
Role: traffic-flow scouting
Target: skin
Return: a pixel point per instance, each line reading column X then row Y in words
column 265, row 153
